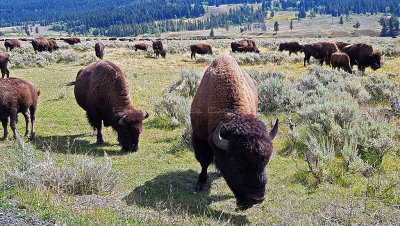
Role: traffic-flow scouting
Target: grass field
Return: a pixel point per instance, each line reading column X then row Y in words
column 156, row 184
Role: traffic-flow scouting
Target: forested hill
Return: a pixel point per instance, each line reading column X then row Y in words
column 134, row 17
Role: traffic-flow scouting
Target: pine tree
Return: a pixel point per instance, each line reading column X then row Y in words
column 272, row 14
column 276, row 27
column 384, row 30
column 37, row 30
column 212, row 33
column 291, row 24
column 341, row 20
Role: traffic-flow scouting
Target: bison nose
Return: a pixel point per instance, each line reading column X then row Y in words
column 256, row 198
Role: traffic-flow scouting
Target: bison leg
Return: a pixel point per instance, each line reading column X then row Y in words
column 204, row 155
column 193, row 55
column 13, row 122
column 5, row 122
column 306, row 58
column 27, row 118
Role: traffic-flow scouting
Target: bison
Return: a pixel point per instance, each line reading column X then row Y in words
column 11, row 44
column 292, row 47
column 43, row 44
column 226, row 131
column 244, row 46
column 157, row 47
column 4, row 59
column 341, row 61
column 52, row 45
column 200, row 48
column 72, row 41
column 363, row 55
column 18, row 96
column 163, row 53
column 102, row 91
column 99, row 49
column 141, row 46
column 341, row 45
column 321, row 51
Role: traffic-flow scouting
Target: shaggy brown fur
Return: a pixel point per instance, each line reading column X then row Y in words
column 11, row 44
column 163, row 53
column 341, row 60
column 158, row 47
column 141, row 46
column 292, row 47
column 341, row 45
column 43, row 44
column 363, row 55
column 321, row 51
column 200, row 48
column 17, row 96
column 244, row 46
column 99, row 49
column 72, row 41
column 4, row 59
column 102, row 91
column 52, row 45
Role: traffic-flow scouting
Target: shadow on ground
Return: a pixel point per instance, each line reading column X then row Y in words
column 175, row 193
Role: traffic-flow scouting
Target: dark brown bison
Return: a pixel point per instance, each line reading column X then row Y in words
column 52, row 45
column 341, row 45
column 319, row 50
column 123, row 39
column 99, row 49
column 341, row 61
column 141, row 46
column 363, row 55
column 112, row 39
column 163, row 53
column 88, row 39
column 244, row 46
column 4, row 59
column 18, row 96
column 226, row 131
column 11, row 44
column 292, row 47
column 43, row 44
column 72, row 41
column 157, row 47
column 200, row 48
column 102, row 91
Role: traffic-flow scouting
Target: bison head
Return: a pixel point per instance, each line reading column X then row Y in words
column 242, row 148
column 282, row 47
column 129, row 128
column 375, row 60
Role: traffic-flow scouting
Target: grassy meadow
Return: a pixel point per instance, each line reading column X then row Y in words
column 156, row 184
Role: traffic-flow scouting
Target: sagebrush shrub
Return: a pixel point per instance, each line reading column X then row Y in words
column 188, row 83
column 380, row 87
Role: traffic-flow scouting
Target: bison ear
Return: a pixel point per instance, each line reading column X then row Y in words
column 274, row 130
column 121, row 120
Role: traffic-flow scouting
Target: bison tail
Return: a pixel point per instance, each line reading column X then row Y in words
column 38, row 92
column 70, row 83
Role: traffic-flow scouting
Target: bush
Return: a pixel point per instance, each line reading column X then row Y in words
column 258, row 76
column 188, row 83
column 176, row 107
column 380, row 87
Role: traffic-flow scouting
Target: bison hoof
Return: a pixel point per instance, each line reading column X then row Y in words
column 200, row 187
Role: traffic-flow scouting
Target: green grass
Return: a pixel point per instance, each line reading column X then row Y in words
column 157, row 184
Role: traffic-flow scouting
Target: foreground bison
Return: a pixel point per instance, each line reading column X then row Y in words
column 363, row 55
column 17, row 96
column 10, row 44
column 321, row 51
column 292, row 47
column 226, row 131
column 99, row 49
column 158, row 47
column 341, row 61
column 72, row 41
column 4, row 59
column 141, row 46
column 244, row 46
column 102, row 91
column 200, row 48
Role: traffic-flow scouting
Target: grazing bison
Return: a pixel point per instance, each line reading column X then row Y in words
column 102, row 91
column 4, row 59
column 43, row 44
column 72, row 41
column 158, row 47
column 363, row 55
column 244, row 46
column 226, row 131
column 341, row 45
column 141, row 46
column 341, row 61
column 200, row 48
column 99, row 49
column 11, row 44
column 321, row 51
column 163, row 53
column 18, row 96
column 52, row 45
column 292, row 47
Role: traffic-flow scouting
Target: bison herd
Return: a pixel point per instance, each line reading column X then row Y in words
column 226, row 129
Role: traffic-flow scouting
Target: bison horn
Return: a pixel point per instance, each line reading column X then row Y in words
column 274, row 130
column 121, row 121
column 219, row 141
column 146, row 115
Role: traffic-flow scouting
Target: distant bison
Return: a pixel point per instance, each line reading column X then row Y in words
column 341, row 61
column 102, row 91
column 52, row 45
column 10, row 44
column 18, row 96
column 163, row 53
column 244, row 46
column 141, row 46
column 4, row 59
column 321, row 51
column 72, row 41
column 157, row 47
column 200, row 48
column 341, row 45
column 43, row 44
column 112, row 39
column 292, row 47
column 99, row 49
column 363, row 55
column 226, row 131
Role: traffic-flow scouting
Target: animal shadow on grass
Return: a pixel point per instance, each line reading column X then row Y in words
column 174, row 191
column 74, row 144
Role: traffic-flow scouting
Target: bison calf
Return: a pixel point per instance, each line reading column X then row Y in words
column 17, row 96
column 99, row 49
column 341, row 61
column 4, row 59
